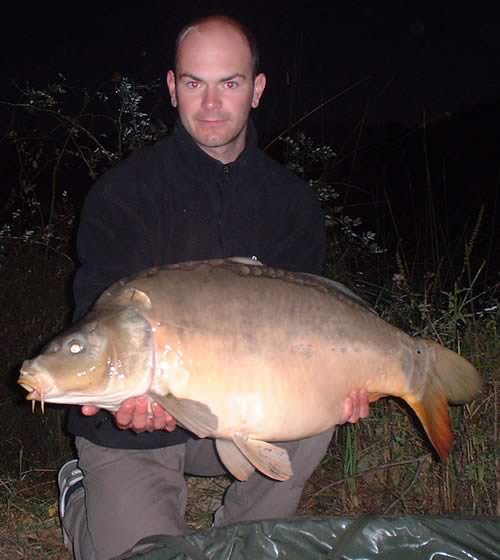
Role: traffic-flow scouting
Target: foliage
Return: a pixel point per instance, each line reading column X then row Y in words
column 311, row 161
column 64, row 137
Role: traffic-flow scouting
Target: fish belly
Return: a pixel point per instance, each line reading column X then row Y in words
column 276, row 392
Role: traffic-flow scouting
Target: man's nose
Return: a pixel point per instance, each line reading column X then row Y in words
column 212, row 98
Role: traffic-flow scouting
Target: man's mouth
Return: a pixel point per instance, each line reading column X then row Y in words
column 212, row 120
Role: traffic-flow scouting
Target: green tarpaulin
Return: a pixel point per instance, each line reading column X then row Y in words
column 353, row 538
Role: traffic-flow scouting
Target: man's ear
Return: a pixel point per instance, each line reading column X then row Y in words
column 259, row 84
column 171, row 87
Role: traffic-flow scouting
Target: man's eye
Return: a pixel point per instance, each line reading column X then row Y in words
column 232, row 84
column 193, row 85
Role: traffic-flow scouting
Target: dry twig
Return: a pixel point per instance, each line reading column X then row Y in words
column 419, row 460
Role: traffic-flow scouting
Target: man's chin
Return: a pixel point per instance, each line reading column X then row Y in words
column 212, row 140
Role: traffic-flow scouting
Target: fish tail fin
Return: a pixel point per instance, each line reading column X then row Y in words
column 432, row 411
column 451, row 379
column 459, row 378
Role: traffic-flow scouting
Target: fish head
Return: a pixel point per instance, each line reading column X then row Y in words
column 103, row 360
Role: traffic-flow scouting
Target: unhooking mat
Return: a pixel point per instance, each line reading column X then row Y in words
column 337, row 538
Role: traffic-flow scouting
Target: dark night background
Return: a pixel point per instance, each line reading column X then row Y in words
column 398, row 64
column 439, row 59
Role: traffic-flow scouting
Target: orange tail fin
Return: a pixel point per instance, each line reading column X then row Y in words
column 432, row 411
column 451, row 378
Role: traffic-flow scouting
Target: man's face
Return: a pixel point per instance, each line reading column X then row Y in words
column 214, row 90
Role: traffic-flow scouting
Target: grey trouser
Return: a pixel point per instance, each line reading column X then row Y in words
column 132, row 494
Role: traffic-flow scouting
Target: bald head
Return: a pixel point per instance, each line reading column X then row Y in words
column 221, row 24
column 214, row 85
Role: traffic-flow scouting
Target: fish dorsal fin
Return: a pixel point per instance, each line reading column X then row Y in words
column 269, row 459
column 234, row 460
column 246, row 260
column 135, row 297
column 192, row 415
column 308, row 278
column 338, row 287
column 121, row 296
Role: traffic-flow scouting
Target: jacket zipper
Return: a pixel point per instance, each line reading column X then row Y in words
column 222, row 187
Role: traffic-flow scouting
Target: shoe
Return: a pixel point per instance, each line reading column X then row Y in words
column 69, row 479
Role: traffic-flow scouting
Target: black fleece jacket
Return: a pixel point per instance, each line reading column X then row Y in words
column 171, row 202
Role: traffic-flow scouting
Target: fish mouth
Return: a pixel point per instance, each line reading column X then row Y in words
column 36, row 388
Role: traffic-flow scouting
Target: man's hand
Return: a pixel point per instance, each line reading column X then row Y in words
column 140, row 414
column 356, row 406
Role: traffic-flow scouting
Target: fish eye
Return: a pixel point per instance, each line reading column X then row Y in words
column 75, row 347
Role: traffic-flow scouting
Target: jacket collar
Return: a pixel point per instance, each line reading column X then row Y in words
column 203, row 166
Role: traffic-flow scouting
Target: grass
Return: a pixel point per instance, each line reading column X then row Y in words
column 28, row 517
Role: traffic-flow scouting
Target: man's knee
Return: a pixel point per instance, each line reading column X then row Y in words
column 121, row 504
column 263, row 498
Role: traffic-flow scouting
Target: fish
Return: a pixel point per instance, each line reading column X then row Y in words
column 248, row 355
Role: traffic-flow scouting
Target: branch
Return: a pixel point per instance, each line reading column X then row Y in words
column 317, row 108
column 419, row 460
column 60, row 116
column 408, row 488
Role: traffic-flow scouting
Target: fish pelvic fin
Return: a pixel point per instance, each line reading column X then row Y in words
column 451, row 378
column 234, row 460
column 192, row 415
column 269, row 459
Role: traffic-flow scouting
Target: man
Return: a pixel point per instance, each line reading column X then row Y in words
column 204, row 192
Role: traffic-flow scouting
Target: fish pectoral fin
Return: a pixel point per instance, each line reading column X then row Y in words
column 234, row 460
column 192, row 415
column 271, row 460
column 432, row 411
